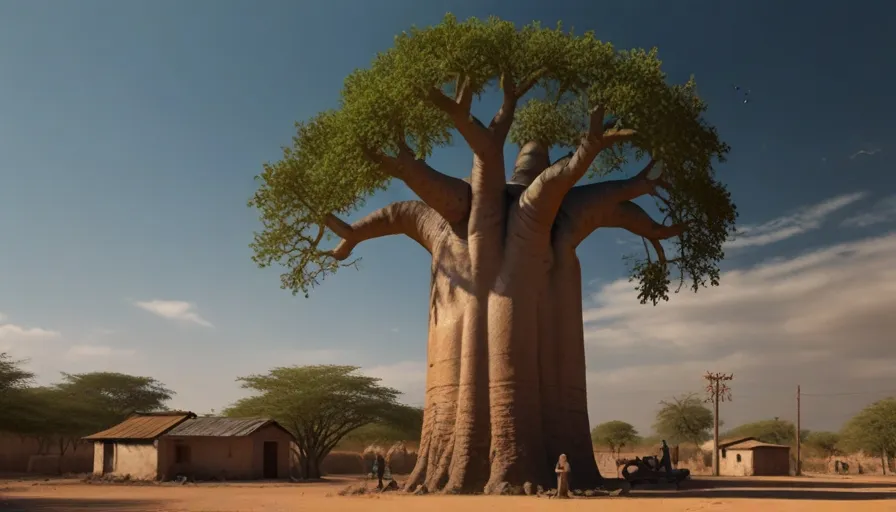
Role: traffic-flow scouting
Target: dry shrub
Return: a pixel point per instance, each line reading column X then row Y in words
column 401, row 461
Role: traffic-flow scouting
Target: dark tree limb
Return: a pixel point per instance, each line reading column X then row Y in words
column 471, row 129
column 608, row 204
column 448, row 196
column 503, row 119
column 545, row 195
column 412, row 218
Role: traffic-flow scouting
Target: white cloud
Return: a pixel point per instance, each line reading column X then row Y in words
column 866, row 152
column 10, row 331
column 23, row 341
column 883, row 211
column 175, row 310
column 805, row 219
column 823, row 319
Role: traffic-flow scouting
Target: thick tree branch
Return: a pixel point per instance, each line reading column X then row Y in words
column 632, row 218
column 500, row 125
column 458, row 109
column 448, row 196
column 608, row 204
column 412, row 218
column 531, row 161
column 547, row 192
column 587, row 207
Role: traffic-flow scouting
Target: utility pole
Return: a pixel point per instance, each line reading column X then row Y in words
column 799, row 462
column 718, row 391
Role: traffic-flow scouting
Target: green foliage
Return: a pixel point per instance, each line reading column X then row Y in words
column 825, row 443
column 873, row 430
column 114, row 396
column 13, row 381
column 405, row 427
column 775, row 431
column 320, row 405
column 615, row 435
column 332, row 163
column 684, row 419
column 12, row 375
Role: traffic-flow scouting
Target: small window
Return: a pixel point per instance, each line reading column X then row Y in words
column 724, row 453
column 181, row 454
column 738, row 457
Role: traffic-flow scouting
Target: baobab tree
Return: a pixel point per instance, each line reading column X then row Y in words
column 505, row 390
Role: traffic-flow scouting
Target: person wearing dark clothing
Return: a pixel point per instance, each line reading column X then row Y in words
column 380, row 470
column 666, row 461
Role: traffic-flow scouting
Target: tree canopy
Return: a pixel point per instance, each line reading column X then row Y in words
column 684, row 419
column 14, row 380
column 824, row 443
column 615, row 435
column 774, row 431
column 416, row 95
column 114, row 396
column 873, row 430
column 12, row 375
column 320, row 405
column 405, row 426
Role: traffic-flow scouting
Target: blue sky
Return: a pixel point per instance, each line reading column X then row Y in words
column 130, row 133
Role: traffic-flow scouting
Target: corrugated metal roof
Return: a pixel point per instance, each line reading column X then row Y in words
column 751, row 444
column 219, row 427
column 143, row 426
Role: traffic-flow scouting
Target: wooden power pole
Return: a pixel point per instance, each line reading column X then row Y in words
column 799, row 463
column 718, row 391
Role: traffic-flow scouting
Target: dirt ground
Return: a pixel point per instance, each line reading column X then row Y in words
column 816, row 494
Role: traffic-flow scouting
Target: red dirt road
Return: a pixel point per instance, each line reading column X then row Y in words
column 736, row 495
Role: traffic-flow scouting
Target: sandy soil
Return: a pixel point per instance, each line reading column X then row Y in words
column 819, row 494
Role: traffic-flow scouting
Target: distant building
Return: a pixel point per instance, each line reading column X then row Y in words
column 163, row 445
column 754, row 458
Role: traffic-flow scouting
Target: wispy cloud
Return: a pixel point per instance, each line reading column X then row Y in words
column 822, row 319
column 174, row 310
column 882, row 211
column 866, row 152
column 805, row 219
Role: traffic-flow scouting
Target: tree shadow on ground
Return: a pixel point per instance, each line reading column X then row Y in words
column 792, row 483
column 794, row 489
column 770, row 494
column 25, row 504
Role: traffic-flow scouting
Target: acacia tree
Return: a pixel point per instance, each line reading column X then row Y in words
column 320, row 405
column 506, row 378
column 774, row 431
column 114, row 396
column 873, row 431
column 684, row 418
column 615, row 435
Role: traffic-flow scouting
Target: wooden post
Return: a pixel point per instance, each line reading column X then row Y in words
column 715, row 430
column 799, row 463
column 718, row 391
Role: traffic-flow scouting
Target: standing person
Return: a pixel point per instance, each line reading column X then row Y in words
column 562, row 470
column 380, row 470
column 666, row 461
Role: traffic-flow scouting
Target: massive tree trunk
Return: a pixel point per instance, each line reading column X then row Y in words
column 505, row 386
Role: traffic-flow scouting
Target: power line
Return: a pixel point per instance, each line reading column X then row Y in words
column 853, row 393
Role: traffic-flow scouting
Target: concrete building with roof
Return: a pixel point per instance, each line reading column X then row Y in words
column 747, row 456
column 163, row 445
